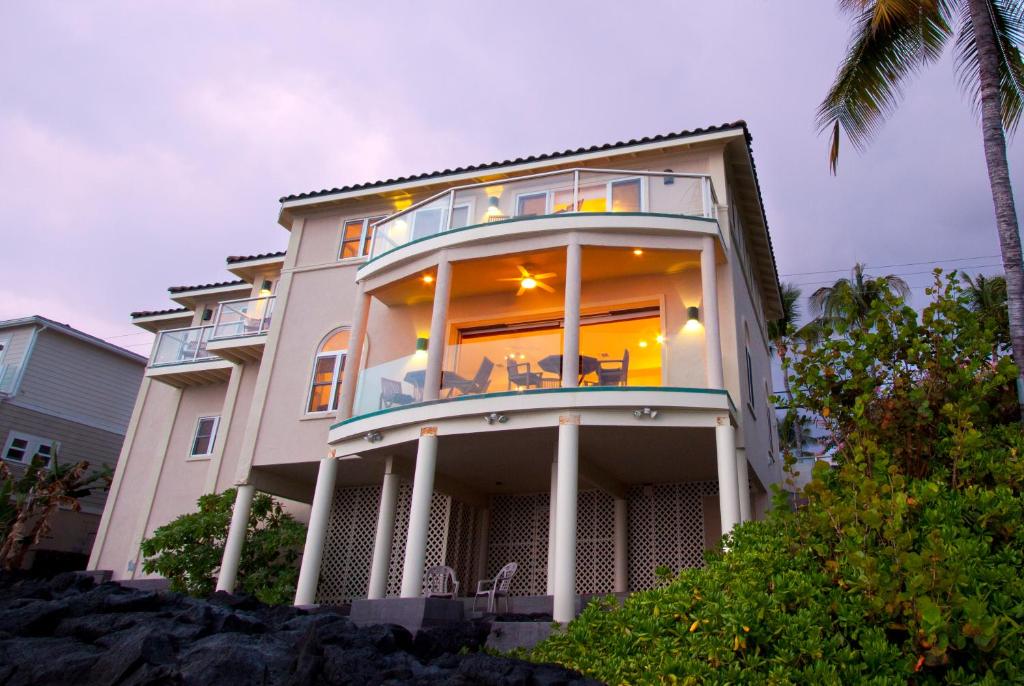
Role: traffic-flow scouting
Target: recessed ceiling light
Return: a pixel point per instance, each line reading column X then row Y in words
column 643, row 344
column 427, row 278
column 638, row 252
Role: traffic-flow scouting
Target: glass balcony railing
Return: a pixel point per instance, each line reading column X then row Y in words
column 181, row 346
column 577, row 191
column 248, row 317
column 390, row 384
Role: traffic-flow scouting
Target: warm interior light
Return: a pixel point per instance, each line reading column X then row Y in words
column 660, row 338
column 638, row 252
column 427, row 278
column 643, row 344
column 528, row 282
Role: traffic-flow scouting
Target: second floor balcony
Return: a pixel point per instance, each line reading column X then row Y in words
column 240, row 328
column 181, row 357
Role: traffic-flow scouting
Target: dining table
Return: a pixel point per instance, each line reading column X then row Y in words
column 553, row 365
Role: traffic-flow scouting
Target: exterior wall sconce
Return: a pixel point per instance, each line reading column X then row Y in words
column 495, row 418
column 693, row 314
column 207, row 314
column 669, row 180
column 647, row 412
column 421, row 345
column 374, row 437
column 266, row 288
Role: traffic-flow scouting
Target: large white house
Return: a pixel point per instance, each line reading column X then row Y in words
column 559, row 360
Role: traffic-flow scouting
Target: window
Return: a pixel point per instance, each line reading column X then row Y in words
column 23, row 447
column 328, row 370
column 619, row 195
column 206, row 436
column 356, row 237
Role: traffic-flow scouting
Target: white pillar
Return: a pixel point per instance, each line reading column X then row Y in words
column 743, row 484
column 573, row 288
column 316, row 533
column 354, row 356
column 565, row 519
column 236, row 538
column 382, row 543
column 438, row 322
column 709, row 303
column 483, row 525
column 419, row 513
column 621, row 548
column 552, row 524
column 728, row 488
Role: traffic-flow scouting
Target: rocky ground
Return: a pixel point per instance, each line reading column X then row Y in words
column 68, row 630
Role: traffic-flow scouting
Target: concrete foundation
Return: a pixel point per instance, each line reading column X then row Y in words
column 506, row 636
column 411, row 613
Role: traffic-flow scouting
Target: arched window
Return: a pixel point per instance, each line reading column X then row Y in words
column 328, row 370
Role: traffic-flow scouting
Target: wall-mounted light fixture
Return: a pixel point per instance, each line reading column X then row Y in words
column 421, row 344
column 492, row 206
column 373, row 437
column 266, row 288
column 495, row 418
column 693, row 314
column 669, row 180
column 645, row 413
column 207, row 314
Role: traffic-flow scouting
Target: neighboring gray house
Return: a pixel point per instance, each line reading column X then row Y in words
column 64, row 391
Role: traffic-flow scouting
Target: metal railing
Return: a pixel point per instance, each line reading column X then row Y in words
column 245, row 317
column 182, row 346
column 574, row 191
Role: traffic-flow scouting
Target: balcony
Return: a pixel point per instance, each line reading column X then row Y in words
column 240, row 328
column 181, row 358
column 553, row 195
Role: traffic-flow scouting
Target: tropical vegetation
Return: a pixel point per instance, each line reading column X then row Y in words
column 903, row 564
column 188, row 550
column 892, row 41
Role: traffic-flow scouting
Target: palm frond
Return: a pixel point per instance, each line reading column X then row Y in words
column 892, row 40
column 1008, row 25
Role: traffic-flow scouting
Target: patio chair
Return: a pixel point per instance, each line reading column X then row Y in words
column 391, row 394
column 495, row 588
column 615, row 375
column 439, row 582
column 522, row 376
column 480, row 381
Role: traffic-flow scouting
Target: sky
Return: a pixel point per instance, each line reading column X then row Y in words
column 141, row 143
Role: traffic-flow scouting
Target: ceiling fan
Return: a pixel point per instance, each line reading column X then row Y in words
column 528, row 281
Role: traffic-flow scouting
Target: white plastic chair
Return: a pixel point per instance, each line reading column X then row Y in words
column 496, row 588
column 439, row 582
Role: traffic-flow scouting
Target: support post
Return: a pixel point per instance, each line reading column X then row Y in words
column 354, row 356
column 382, row 542
column 709, row 302
column 621, row 548
column 564, row 602
column 419, row 513
column 573, row 288
column 319, row 518
column 728, row 488
column 743, row 484
column 236, row 538
column 552, row 524
column 438, row 322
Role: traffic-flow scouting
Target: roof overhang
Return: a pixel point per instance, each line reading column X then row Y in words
column 190, row 298
column 249, row 269
column 156, row 322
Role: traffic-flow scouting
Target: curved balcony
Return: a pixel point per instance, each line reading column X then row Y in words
column 578, row 198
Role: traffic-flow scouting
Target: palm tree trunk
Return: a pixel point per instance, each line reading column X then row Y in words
column 999, row 178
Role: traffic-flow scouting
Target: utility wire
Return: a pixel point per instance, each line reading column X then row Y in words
column 902, row 264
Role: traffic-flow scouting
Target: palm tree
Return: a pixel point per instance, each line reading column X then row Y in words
column 781, row 334
column 892, row 40
column 847, row 302
column 986, row 295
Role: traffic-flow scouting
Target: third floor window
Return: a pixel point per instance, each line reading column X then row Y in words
column 356, row 237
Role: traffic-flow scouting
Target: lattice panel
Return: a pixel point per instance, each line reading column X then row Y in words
column 461, row 549
column 348, row 550
column 595, row 543
column 437, row 535
column 666, row 528
column 519, row 533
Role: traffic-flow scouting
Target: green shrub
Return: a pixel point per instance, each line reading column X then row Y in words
column 902, row 567
column 188, row 550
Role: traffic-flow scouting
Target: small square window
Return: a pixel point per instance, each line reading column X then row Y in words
column 23, row 448
column 206, row 436
column 351, row 237
column 17, row 450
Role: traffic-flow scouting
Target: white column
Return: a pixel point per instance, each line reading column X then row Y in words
column 354, row 356
column 709, row 306
column 236, row 538
column 438, row 322
column 552, row 524
column 621, row 548
column 382, row 543
column 743, row 484
column 573, row 287
column 565, row 519
column 319, row 517
column 419, row 513
column 483, row 525
column 728, row 488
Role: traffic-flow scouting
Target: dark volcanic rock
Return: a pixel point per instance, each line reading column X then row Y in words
column 68, row 630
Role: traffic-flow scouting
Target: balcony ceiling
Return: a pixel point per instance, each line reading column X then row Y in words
column 482, row 277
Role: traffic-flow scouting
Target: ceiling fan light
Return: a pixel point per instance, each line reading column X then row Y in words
column 528, row 282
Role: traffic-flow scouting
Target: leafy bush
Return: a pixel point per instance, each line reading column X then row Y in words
column 903, row 567
column 188, row 550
